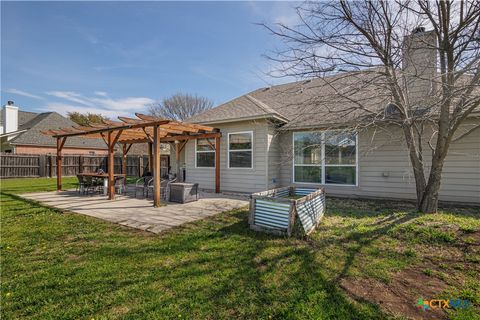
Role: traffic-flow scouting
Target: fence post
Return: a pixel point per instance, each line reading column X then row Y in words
column 80, row 164
column 140, row 166
column 50, row 166
column 42, row 162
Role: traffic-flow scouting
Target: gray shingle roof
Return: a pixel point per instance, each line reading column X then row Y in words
column 24, row 117
column 245, row 106
column 316, row 102
column 52, row 120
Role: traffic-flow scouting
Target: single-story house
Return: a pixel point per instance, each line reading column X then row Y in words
column 286, row 135
column 20, row 132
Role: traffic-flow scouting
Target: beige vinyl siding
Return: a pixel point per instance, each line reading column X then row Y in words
column 274, row 157
column 385, row 171
column 233, row 179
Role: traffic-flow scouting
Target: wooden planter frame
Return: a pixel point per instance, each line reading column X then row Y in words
column 271, row 211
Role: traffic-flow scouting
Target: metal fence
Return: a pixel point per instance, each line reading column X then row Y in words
column 35, row 165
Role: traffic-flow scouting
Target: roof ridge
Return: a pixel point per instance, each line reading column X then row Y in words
column 262, row 105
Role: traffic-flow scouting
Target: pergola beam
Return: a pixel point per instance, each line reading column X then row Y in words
column 114, row 128
column 146, row 129
column 190, row 137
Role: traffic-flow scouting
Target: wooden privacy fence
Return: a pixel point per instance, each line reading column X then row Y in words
column 35, row 165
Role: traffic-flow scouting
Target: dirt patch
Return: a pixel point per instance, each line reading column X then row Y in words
column 120, row 310
column 399, row 297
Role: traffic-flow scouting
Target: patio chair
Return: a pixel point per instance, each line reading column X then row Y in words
column 89, row 185
column 97, row 184
column 120, row 187
column 164, row 192
column 164, row 187
column 142, row 184
column 81, row 184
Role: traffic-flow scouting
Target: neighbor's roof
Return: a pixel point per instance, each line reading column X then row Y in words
column 45, row 121
column 24, row 117
column 301, row 104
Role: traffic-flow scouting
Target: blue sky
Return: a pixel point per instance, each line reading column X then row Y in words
column 117, row 57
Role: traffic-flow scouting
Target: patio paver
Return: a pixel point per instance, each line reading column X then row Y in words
column 139, row 213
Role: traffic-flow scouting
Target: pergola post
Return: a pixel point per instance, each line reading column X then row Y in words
column 60, row 144
column 150, row 157
column 111, row 167
column 156, row 166
column 217, row 164
column 179, row 145
column 124, row 164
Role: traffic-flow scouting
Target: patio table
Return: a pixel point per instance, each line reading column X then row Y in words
column 105, row 179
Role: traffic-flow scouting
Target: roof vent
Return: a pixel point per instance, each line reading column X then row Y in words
column 391, row 109
column 266, row 89
column 418, row 30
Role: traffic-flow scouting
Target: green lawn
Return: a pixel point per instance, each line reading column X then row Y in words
column 66, row 266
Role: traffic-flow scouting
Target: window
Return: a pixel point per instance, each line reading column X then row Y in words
column 240, row 150
column 205, row 153
column 308, row 157
column 328, row 157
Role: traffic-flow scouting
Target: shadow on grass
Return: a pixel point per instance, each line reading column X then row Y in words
column 215, row 268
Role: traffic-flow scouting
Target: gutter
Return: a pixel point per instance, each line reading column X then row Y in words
column 259, row 117
column 12, row 133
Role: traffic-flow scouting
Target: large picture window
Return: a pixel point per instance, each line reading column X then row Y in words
column 240, row 150
column 205, row 153
column 325, row 157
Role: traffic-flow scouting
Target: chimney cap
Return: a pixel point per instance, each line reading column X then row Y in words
column 10, row 103
column 418, row 30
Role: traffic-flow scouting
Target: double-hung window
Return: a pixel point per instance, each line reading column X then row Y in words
column 240, row 150
column 205, row 153
column 325, row 157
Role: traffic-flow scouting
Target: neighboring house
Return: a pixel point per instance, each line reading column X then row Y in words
column 284, row 135
column 20, row 132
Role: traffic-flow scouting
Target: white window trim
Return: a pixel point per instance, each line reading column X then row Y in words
column 237, row 150
column 322, row 163
column 211, row 151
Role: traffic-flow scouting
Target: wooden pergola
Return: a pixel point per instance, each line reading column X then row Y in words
column 144, row 129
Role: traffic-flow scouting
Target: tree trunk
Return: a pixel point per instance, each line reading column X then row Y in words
column 429, row 200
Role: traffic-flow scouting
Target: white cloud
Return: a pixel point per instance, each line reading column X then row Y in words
column 23, row 93
column 70, row 96
column 100, row 103
column 282, row 12
column 101, row 93
column 130, row 103
column 66, row 108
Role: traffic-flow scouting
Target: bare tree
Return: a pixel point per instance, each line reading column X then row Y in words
column 384, row 46
column 180, row 106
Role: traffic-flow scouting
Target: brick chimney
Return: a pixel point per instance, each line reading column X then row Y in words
column 9, row 118
column 420, row 64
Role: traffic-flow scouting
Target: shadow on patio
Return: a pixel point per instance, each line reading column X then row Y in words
column 139, row 213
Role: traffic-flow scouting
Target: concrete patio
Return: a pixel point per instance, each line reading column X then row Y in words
column 139, row 213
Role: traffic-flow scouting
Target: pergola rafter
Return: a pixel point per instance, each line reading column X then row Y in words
column 145, row 129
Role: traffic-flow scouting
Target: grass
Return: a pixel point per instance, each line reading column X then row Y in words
column 67, row 266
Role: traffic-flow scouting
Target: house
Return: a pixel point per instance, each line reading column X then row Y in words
column 20, row 132
column 287, row 135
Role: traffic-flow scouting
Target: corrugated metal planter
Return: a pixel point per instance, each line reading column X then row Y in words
column 277, row 210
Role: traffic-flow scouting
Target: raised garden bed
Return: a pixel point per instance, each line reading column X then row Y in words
column 287, row 210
